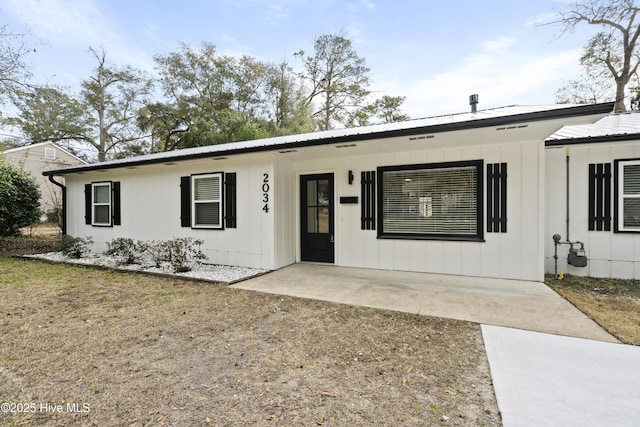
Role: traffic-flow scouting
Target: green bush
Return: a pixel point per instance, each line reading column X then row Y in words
column 76, row 247
column 20, row 196
column 183, row 253
column 157, row 249
column 126, row 249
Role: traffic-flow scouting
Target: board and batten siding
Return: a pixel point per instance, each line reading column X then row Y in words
column 516, row 254
column 285, row 202
column 150, row 209
column 609, row 254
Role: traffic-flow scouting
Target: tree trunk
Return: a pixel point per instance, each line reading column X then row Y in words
column 619, row 106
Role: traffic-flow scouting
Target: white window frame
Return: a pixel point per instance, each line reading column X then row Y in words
column 621, row 197
column 94, row 203
column 219, row 200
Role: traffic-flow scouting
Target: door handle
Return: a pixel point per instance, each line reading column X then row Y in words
column 332, row 239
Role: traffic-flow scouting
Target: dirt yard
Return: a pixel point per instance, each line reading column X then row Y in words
column 81, row 346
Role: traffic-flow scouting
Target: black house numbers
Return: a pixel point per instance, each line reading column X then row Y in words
column 265, row 192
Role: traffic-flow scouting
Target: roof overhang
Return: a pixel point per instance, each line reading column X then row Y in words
column 592, row 139
column 417, row 128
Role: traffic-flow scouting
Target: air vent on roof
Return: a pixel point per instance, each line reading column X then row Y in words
column 287, row 151
column 346, row 145
column 473, row 101
column 220, row 158
column 170, row 164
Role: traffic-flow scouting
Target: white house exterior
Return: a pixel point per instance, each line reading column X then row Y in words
column 462, row 194
column 603, row 165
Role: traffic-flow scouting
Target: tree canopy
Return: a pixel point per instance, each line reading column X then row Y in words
column 205, row 98
column 14, row 70
column 609, row 56
column 338, row 79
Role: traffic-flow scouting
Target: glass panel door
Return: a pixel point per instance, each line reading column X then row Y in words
column 317, row 218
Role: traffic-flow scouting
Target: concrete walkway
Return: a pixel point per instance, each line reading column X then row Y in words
column 517, row 304
column 551, row 365
column 548, row 380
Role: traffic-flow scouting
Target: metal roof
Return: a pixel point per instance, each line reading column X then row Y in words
column 445, row 123
column 614, row 127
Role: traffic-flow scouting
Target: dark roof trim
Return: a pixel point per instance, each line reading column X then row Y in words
column 592, row 139
column 555, row 114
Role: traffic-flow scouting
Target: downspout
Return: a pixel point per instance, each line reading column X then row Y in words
column 567, row 211
column 64, row 203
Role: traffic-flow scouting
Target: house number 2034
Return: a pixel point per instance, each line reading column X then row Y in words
column 265, row 192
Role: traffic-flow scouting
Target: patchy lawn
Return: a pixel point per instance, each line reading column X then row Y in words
column 128, row 349
column 613, row 303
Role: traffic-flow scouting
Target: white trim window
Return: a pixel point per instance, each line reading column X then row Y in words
column 206, row 196
column 628, row 195
column 101, row 203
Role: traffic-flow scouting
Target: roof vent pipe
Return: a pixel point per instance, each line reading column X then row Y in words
column 473, row 101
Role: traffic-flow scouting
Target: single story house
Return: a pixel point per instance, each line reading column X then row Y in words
column 463, row 194
column 593, row 195
column 37, row 158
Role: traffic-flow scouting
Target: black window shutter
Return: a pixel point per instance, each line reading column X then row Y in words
column 87, row 204
column 185, row 201
column 600, row 197
column 115, row 202
column 230, row 200
column 497, row 197
column 368, row 200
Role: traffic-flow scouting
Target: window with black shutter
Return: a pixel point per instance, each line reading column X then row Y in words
column 102, row 204
column 208, row 200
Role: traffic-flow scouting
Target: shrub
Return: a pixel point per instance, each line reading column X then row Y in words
column 76, row 247
column 20, row 200
column 157, row 249
column 183, row 253
column 126, row 249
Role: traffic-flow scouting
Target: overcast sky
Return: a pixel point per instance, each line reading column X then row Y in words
column 436, row 53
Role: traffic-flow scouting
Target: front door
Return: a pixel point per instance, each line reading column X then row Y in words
column 316, row 218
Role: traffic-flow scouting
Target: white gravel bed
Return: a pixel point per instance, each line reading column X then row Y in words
column 209, row 272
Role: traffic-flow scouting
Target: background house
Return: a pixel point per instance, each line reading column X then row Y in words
column 38, row 158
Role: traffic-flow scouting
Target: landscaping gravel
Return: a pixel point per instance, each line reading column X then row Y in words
column 209, row 272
